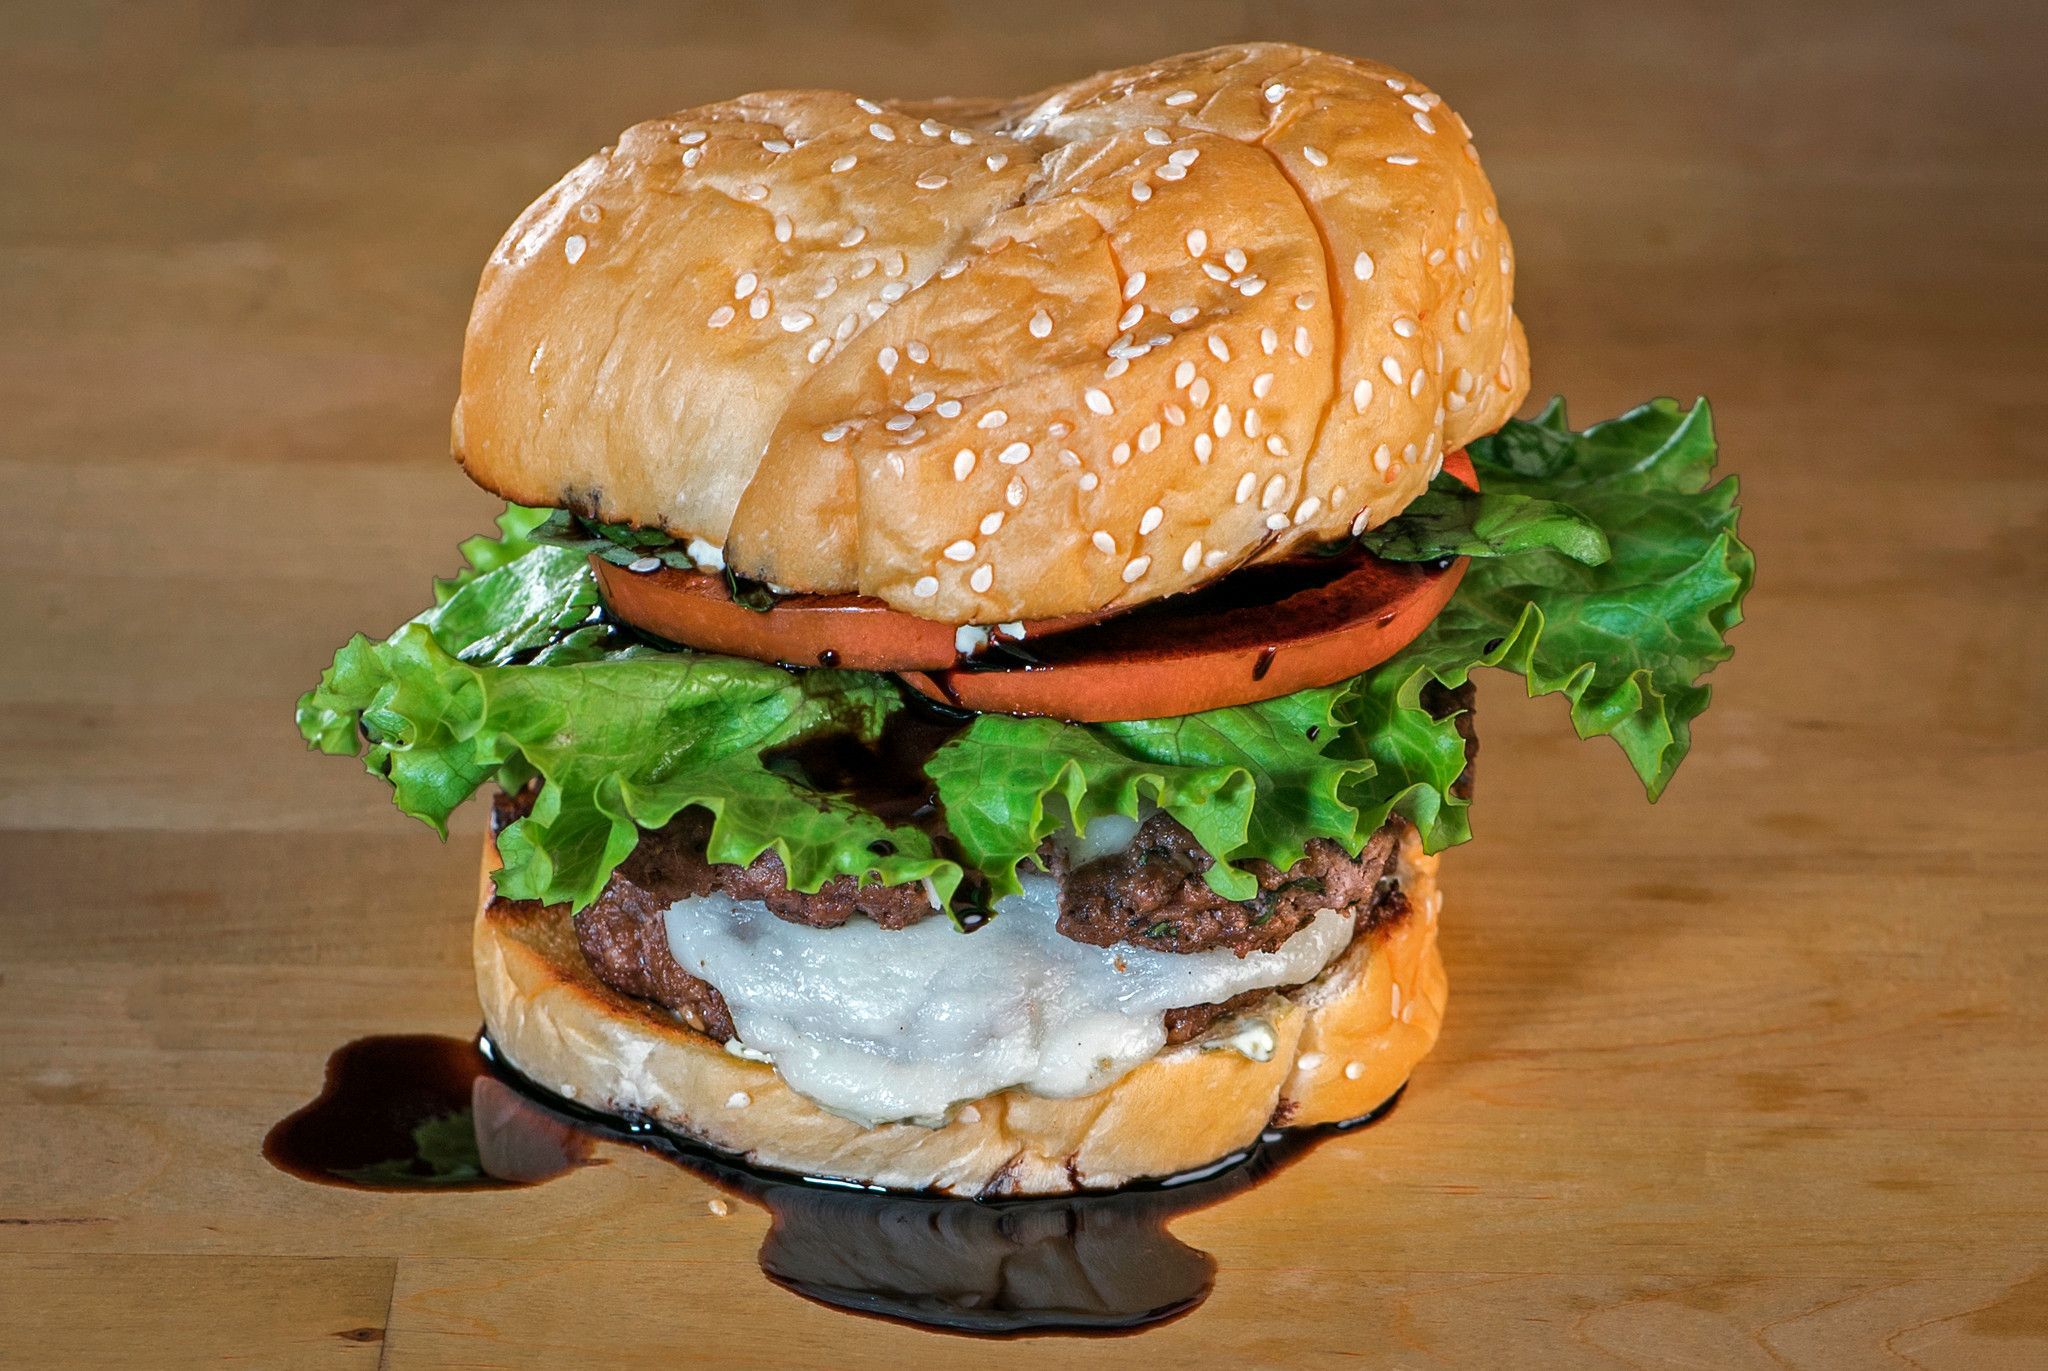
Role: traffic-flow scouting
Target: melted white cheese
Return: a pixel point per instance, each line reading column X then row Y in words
column 879, row 1026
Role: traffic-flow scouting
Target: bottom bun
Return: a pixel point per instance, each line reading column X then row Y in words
column 1342, row 1046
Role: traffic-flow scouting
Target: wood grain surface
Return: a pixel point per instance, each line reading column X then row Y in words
column 1754, row 1078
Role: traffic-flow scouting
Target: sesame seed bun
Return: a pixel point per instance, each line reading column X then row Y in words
column 995, row 361
column 1343, row 1045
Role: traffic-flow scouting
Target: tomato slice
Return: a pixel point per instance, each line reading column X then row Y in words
column 857, row 632
column 1261, row 632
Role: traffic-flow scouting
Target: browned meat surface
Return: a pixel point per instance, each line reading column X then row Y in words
column 1153, row 893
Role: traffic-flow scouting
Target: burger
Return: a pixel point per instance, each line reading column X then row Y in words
column 974, row 676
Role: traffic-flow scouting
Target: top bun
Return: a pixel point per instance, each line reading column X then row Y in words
column 1000, row 361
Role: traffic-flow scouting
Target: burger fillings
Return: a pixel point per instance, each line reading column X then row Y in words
column 1210, row 324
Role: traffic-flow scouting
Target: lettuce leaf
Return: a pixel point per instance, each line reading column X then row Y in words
column 1605, row 568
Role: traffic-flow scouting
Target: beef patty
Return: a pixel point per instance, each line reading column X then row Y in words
column 625, row 939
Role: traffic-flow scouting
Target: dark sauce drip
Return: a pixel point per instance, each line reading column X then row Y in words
column 828, row 658
column 1099, row 1263
column 1265, row 663
column 420, row 1112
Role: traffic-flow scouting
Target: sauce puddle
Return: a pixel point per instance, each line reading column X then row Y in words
column 421, row 1112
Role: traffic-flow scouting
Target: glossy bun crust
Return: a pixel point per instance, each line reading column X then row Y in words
column 993, row 361
column 1344, row 1045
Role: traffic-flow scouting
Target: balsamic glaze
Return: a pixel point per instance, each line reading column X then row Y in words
column 395, row 1110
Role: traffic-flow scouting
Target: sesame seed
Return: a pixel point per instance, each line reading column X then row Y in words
column 721, row 316
column 1261, row 384
column 1204, row 445
column 1103, row 542
column 1275, row 93
column 846, row 163
column 1183, row 374
column 1436, row 258
column 996, row 161
column 1199, row 391
column 589, row 213
column 1131, row 316
column 1276, row 522
column 744, row 285
column 1133, row 285
column 1041, row 324
column 930, row 180
column 899, row 423
column 1148, row 437
column 1456, row 402
column 1307, row 510
column 926, row 587
column 1157, row 137
column 1184, row 157
column 1140, row 191
column 1235, row 259
column 1305, row 300
column 643, row 565
column 1252, row 286
column 1214, row 272
column 1013, row 493
column 852, row 238
column 1303, row 344
column 1135, row 568
column 1464, row 321
column 1098, row 401
column 572, row 248
column 1221, row 423
column 896, row 465
column 1191, row 556
column 1252, row 423
column 1275, row 492
column 1353, row 1070
column 995, row 418
column 757, row 308
column 963, row 463
column 1120, row 454
column 1415, row 383
column 1269, row 339
column 718, row 1206
column 817, row 350
column 1405, row 327
column 1358, row 525
column 870, row 106
column 959, row 137
column 919, row 353
column 693, row 137
column 691, row 156
column 959, row 551
column 1276, row 445
column 1121, row 364
column 775, row 145
column 1150, row 519
column 930, row 128
column 920, row 401
column 1089, row 480
column 1013, row 454
column 1219, row 349
column 1402, row 159
column 1361, row 394
column 753, row 191
column 835, row 433
column 1183, row 314
column 1396, row 84
column 1392, row 367
column 1181, row 97
column 1315, row 156
column 984, row 576
column 894, row 291
column 886, row 360
column 1172, row 171
column 1198, row 242
column 739, row 1099
column 1489, row 213
column 1424, row 122
column 796, row 321
column 882, row 131
column 991, row 521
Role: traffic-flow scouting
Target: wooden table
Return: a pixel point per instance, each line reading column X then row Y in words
column 1753, row 1078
